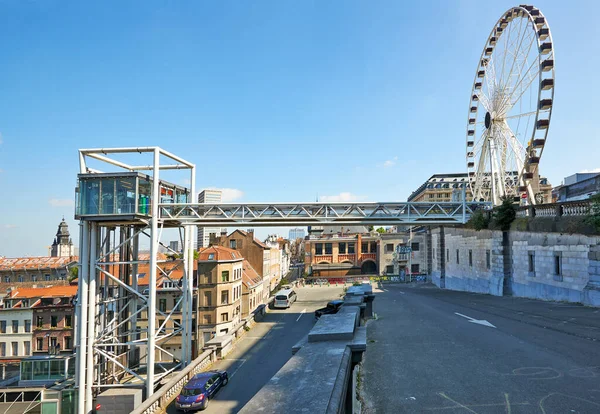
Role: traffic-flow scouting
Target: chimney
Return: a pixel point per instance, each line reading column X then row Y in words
column 251, row 231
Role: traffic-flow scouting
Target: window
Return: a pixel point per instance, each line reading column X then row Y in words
column 488, row 259
column 389, row 269
column 25, row 303
column 40, row 344
column 457, row 257
column 15, row 326
column 224, row 297
column 160, row 325
column 414, row 268
column 2, row 326
column 15, row 348
column 53, row 343
column 557, row 265
column 224, row 317
column 176, row 323
column 414, row 247
column 211, row 256
column 34, row 278
column 364, row 247
column 68, row 344
column 53, row 321
column 225, row 276
column 3, row 349
column 40, row 322
column 162, row 305
column 232, row 244
column 389, row 248
column 318, row 248
column 47, row 278
column 351, row 248
column 28, row 325
column 447, row 255
column 342, row 248
column 470, row 257
column 21, row 279
column 26, row 348
column 6, row 279
column 207, row 299
column 373, row 247
column 531, row 256
column 328, row 248
column 206, row 319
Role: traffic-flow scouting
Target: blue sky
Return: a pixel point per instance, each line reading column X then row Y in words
column 274, row 100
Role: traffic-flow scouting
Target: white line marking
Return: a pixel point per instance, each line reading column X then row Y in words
column 301, row 313
column 400, row 292
column 477, row 321
column 236, row 370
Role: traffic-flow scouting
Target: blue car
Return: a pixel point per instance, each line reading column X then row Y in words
column 202, row 387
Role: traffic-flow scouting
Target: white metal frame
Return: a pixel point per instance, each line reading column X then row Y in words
column 102, row 290
column 503, row 159
column 100, row 339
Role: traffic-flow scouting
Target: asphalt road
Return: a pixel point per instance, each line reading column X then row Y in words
column 423, row 357
column 263, row 350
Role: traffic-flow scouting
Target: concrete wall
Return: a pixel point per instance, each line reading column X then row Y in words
column 508, row 270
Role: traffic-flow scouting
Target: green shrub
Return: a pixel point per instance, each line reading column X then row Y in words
column 505, row 214
column 593, row 218
column 478, row 221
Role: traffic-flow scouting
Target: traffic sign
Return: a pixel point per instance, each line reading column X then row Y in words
column 403, row 249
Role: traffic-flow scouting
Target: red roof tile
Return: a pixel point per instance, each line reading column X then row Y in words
column 218, row 253
column 42, row 262
column 45, row 292
column 250, row 277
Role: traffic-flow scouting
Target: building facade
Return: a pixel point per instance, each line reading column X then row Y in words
column 219, row 312
column 48, row 313
column 577, row 187
column 393, row 259
column 251, row 249
column 35, row 271
column 297, row 233
column 341, row 254
column 451, row 187
column 208, row 197
column 252, row 289
column 16, row 334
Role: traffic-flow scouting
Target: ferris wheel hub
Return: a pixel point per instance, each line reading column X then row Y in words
column 488, row 120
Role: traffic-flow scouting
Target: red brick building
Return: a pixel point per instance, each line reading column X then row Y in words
column 53, row 317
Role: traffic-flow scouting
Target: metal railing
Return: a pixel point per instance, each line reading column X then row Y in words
column 160, row 400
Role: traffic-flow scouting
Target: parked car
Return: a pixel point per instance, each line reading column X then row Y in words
column 200, row 389
column 284, row 298
column 332, row 307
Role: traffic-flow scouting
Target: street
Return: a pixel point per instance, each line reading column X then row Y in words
column 439, row 351
column 263, row 350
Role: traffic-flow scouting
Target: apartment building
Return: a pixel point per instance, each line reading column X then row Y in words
column 220, row 273
column 252, row 289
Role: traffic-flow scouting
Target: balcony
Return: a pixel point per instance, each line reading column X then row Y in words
column 323, row 258
column 346, row 257
column 367, row 256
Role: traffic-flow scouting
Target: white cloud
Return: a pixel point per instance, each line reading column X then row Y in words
column 9, row 226
column 342, row 197
column 390, row 163
column 57, row 202
column 229, row 195
column 595, row 170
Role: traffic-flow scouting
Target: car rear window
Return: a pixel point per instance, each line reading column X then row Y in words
column 281, row 297
column 187, row 392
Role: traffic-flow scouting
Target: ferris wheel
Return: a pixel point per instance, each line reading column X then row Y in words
column 510, row 108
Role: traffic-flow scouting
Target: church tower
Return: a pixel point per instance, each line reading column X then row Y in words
column 63, row 245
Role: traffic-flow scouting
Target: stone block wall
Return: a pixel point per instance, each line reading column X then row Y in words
column 547, row 266
column 474, row 261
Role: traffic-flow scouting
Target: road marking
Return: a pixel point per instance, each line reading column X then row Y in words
column 477, row 321
column 400, row 292
column 301, row 313
column 458, row 405
column 236, row 370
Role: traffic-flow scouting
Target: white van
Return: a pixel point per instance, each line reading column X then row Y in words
column 284, row 298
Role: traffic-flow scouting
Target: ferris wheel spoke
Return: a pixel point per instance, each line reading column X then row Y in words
column 524, row 89
column 517, row 57
column 517, row 149
column 484, row 100
column 521, row 115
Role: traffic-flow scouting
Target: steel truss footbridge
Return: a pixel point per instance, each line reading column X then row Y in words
column 122, row 213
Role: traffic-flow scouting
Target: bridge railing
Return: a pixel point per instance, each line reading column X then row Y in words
column 562, row 209
column 160, row 400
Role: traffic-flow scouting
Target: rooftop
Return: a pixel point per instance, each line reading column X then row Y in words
column 35, row 263
column 44, row 292
column 218, row 254
column 250, row 277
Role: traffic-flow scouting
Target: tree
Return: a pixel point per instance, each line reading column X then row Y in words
column 505, row 213
column 380, row 230
column 593, row 217
column 73, row 273
column 370, row 228
column 478, row 220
